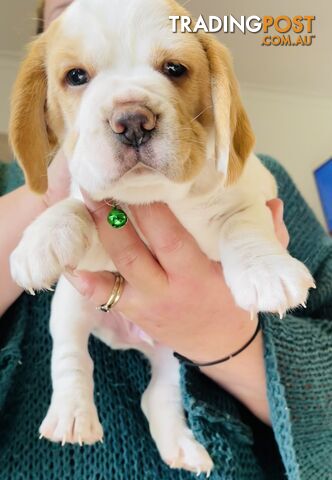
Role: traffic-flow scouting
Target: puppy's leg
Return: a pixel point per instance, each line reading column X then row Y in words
column 57, row 239
column 259, row 271
column 162, row 406
column 72, row 416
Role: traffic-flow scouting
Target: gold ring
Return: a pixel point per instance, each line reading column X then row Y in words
column 115, row 294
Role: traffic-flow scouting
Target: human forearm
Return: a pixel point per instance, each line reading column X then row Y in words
column 17, row 210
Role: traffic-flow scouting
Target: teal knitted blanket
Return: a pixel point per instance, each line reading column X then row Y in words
column 298, row 356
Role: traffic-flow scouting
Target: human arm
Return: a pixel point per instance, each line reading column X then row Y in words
column 18, row 209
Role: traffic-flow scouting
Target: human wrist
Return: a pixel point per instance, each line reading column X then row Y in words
column 244, row 377
column 58, row 180
column 225, row 358
column 33, row 203
column 49, row 198
column 220, row 337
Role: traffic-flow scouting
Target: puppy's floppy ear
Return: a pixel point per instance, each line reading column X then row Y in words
column 234, row 136
column 30, row 137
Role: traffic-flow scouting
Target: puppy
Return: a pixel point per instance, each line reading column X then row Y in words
column 143, row 115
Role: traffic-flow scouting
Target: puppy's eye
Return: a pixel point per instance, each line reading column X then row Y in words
column 77, row 77
column 174, row 69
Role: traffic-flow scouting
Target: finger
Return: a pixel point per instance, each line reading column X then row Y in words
column 277, row 209
column 97, row 287
column 276, row 205
column 174, row 247
column 130, row 255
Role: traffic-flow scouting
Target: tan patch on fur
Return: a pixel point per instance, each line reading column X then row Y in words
column 37, row 122
column 191, row 98
column 70, row 143
column 231, row 121
column 29, row 136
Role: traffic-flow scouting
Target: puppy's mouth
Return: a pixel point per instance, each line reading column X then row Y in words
column 136, row 162
column 140, row 169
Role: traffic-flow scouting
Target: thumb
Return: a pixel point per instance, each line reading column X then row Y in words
column 96, row 287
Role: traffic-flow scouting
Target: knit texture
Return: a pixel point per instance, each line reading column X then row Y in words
column 298, row 354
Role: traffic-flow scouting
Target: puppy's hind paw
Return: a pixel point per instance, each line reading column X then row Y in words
column 188, row 454
column 72, row 420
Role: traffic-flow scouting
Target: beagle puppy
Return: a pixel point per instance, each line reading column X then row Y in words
column 143, row 115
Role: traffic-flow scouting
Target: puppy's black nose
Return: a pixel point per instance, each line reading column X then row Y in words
column 133, row 125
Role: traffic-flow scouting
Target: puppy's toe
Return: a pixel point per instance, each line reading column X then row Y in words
column 31, row 271
column 271, row 283
column 183, row 451
column 72, row 421
column 192, row 457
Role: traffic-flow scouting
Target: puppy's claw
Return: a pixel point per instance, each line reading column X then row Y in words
column 281, row 315
column 304, row 305
column 80, row 441
column 63, row 443
column 41, row 436
column 31, row 291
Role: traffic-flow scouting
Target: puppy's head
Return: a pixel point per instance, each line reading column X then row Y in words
column 127, row 98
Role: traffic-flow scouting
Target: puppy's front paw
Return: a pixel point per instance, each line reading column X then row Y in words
column 58, row 239
column 72, row 419
column 269, row 283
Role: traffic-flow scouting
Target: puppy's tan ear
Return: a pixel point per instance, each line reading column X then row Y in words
column 29, row 136
column 234, row 136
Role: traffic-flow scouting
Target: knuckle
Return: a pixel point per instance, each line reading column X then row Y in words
column 99, row 214
column 128, row 256
column 171, row 244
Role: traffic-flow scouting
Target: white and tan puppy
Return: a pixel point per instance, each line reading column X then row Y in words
column 143, row 115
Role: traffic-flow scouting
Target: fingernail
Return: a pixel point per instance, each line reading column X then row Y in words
column 72, row 272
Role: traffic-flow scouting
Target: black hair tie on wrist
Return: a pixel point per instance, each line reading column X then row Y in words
column 186, row 361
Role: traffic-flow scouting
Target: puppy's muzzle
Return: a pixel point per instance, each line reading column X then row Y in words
column 133, row 125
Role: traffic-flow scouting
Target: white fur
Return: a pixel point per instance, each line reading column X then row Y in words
column 230, row 224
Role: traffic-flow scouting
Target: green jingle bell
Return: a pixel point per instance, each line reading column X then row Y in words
column 117, row 218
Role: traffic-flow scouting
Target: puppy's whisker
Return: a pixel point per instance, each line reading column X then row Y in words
column 201, row 113
column 198, row 143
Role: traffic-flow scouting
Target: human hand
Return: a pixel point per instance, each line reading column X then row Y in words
column 58, row 180
column 277, row 209
column 178, row 296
